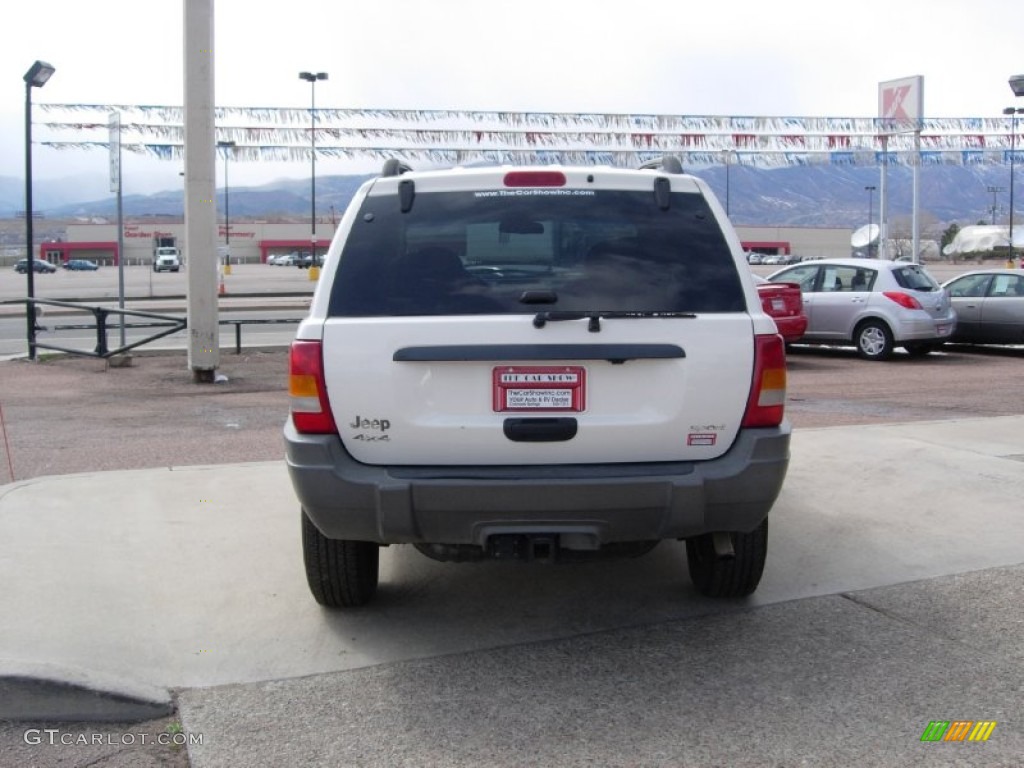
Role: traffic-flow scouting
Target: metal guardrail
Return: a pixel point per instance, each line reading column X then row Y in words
column 101, row 314
column 269, row 321
column 103, row 324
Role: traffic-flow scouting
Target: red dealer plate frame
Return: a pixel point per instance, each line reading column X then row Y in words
column 529, row 389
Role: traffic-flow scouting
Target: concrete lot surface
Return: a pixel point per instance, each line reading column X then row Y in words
column 188, row 580
column 170, row 590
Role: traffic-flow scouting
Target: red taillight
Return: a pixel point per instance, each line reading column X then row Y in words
column 307, row 393
column 534, row 179
column 905, row 300
column 767, row 401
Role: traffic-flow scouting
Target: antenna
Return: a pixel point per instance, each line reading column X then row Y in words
column 865, row 236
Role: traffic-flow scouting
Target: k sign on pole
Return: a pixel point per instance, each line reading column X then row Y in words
column 200, row 258
column 901, row 110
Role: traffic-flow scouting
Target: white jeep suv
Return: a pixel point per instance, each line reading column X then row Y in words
column 539, row 362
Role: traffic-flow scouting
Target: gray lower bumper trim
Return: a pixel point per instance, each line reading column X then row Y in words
column 465, row 505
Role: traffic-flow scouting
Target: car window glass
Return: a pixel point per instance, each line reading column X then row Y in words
column 863, row 279
column 805, row 276
column 842, row 278
column 1004, row 285
column 480, row 252
column 970, row 286
column 913, row 277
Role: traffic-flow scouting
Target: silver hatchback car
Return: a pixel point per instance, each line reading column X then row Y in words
column 873, row 305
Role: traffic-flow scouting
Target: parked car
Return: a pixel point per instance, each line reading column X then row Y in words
column 874, row 305
column 989, row 306
column 81, row 265
column 38, row 265
column 286, row 260
column 784, row 303
column 535, row 363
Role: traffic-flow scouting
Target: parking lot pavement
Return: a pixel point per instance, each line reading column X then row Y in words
column 844, row 680
column 189, row 580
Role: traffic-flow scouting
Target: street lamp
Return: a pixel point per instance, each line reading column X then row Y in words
column 728, row 154
column 1012, row 112
column 311, row 78
column 995, row 205
column 36, row 77
column 228, row 147
column 870, row 190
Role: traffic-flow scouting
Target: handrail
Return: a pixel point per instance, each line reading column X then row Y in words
column 172, row 323
column 102, row 350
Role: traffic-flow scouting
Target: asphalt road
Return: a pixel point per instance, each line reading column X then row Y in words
column 254, row 291
column 77, row 330
column 141, row 283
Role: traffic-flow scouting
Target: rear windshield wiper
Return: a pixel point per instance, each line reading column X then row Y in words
column 542, row 318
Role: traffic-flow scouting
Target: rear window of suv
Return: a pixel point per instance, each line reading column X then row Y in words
column 582, row 250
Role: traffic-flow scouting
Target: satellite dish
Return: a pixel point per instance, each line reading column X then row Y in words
column 865, row 236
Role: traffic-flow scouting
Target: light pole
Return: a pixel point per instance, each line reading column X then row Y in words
column 36, row 77
column 870, row 190
column 1017, row 86
column 311, row 78
column 228, row 147
column 995, row 206
column 728, row 154
column 1012, row 112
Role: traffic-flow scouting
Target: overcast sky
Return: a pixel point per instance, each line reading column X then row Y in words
column 740, row 57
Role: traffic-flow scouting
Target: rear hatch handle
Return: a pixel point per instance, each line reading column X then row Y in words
column 551, row 429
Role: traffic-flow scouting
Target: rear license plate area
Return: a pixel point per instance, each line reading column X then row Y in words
column 559, row 388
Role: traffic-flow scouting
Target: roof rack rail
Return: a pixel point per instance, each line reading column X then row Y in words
column 667, row 163
column 395, row 167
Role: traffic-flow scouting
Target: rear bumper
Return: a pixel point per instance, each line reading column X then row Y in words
column 585, row 505
column 925, row 328
column 791, row 328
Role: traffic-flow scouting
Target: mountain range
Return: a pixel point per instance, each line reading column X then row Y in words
column 800, row 196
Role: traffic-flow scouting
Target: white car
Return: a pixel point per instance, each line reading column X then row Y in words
column 873, row 305
column 535, row 363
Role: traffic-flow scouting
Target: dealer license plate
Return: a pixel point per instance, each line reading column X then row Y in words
column 539, row 388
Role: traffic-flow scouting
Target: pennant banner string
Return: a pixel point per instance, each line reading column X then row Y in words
column 262, row 134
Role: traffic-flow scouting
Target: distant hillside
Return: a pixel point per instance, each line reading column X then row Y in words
column 809, row 196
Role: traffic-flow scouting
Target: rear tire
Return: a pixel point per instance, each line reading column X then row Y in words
column 738, row 576
column 341, row 573
column 874, row 340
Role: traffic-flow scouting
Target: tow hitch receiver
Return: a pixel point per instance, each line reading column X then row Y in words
column 514, row 546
